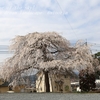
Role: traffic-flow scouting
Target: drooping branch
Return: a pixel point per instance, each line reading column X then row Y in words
column 45, row 51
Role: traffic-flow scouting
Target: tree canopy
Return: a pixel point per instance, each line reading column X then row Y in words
column 46, row 51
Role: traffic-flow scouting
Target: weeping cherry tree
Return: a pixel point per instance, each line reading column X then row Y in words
column 47, row 52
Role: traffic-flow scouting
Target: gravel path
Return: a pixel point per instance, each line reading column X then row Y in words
column 50, row 96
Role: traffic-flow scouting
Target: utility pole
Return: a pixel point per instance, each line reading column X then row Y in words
column 86, row 42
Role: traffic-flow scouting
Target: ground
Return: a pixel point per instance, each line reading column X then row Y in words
column 50, row 96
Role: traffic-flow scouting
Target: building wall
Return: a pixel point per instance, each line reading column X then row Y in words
column 19, row 89
column 1, row 82
column 3, row 89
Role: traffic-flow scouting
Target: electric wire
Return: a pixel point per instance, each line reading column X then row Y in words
column 65, row 16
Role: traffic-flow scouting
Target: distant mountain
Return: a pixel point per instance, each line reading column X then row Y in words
column 4, row 49
column 6, row 52
column 32, row 78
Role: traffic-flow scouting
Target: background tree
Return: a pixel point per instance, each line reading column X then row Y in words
column 47, row 52
column 97, row 55
column 87, row 80
column 96, row 64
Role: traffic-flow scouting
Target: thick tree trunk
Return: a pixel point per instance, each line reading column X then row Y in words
column 47, row 81
column 47, row 85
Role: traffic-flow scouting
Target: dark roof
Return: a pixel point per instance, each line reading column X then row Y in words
column 5, row 84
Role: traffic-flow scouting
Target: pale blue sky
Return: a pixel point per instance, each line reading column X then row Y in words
column 80, row 18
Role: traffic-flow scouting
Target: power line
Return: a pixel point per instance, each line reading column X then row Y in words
column 65, row 16
column 95, row 50
column 93, row 43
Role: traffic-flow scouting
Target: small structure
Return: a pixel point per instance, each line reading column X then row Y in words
column 25, row 84
column 57, row 82
column 75, row 85
column 3, row 86
column 19, row 87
